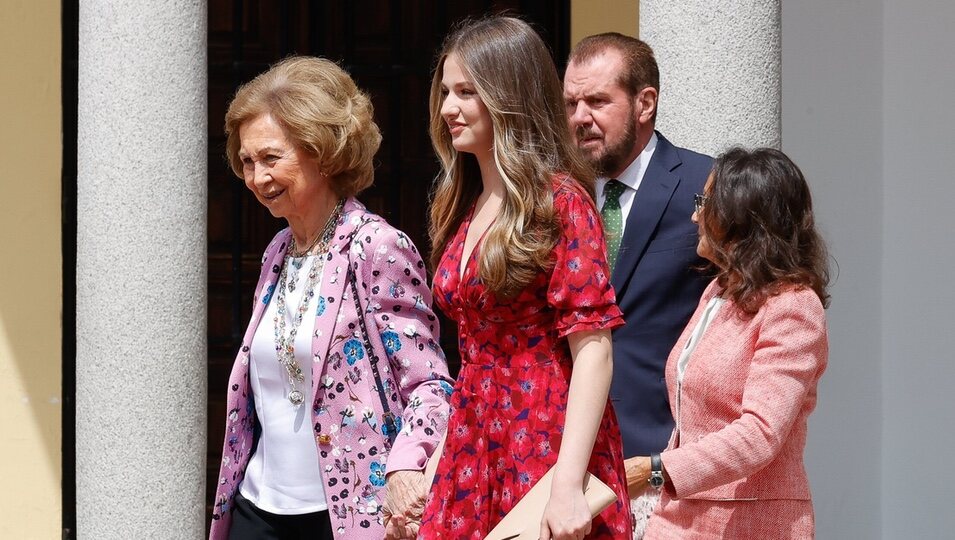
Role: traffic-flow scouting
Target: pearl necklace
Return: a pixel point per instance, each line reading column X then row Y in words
column 285, row 341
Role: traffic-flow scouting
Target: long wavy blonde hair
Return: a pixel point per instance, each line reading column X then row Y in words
column 515, row 77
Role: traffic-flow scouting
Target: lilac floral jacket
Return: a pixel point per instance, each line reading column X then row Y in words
column 354, row 454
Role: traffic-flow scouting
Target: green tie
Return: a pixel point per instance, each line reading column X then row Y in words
column 613, row 219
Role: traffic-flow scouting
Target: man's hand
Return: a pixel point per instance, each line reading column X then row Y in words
column 638, row 475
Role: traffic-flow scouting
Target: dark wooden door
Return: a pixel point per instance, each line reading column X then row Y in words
column 389, row 48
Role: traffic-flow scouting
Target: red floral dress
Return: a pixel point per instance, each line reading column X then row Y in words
column 510, row 398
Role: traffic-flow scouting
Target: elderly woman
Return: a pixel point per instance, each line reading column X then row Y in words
column 340, row 391
column 742, row 378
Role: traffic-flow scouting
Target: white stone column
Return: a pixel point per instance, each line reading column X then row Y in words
column 720, row 71
column 141, row 269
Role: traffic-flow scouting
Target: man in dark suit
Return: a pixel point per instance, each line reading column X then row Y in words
column 645, row 191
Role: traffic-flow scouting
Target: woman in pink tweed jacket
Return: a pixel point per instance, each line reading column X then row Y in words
column 310, row 450
column 742, row 378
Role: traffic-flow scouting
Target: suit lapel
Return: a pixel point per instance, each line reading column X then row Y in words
column 659, row 182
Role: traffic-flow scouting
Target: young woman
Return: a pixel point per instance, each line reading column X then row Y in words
column 521, row 267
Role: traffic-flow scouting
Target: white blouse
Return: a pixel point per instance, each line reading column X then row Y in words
column 283, row 476
column 709, row 313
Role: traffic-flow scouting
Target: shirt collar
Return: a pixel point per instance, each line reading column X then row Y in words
column 632, row 176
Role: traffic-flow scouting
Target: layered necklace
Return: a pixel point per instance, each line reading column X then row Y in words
column 285, row 340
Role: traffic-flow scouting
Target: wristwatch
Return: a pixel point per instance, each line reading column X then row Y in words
column 656, row 471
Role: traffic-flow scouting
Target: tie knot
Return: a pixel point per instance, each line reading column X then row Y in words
column 613, row 189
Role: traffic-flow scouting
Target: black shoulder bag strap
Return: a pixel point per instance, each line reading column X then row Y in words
column 389, row 426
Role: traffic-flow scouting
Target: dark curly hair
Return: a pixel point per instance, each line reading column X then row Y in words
column 759, row 225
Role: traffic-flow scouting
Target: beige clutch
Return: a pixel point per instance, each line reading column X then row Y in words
column 523, row 522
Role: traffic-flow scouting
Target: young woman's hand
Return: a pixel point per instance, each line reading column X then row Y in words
column 567, row 515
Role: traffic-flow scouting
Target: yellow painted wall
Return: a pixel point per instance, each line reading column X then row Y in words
column 597, row 16
column 30, row 269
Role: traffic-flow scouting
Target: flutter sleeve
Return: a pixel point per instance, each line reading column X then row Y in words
column 579, row 288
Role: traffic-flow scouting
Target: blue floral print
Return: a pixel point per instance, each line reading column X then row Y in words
column 396, row 290
column 353, row 351
column 377, row 477
column 268, row 293
column 391, row 429
column 392, row 341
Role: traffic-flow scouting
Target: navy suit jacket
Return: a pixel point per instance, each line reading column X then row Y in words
column 658, row 287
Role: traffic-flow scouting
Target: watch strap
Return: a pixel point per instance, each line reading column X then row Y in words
column 656, row 471
column 656, row 464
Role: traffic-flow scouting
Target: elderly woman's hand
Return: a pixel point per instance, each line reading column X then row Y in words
column 404, row 503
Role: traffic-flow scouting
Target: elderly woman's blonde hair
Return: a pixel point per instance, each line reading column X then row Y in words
column 322, row 111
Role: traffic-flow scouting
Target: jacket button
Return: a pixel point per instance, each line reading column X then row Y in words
column 324, row 438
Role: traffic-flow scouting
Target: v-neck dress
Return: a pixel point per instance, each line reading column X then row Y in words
column 510, row 398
